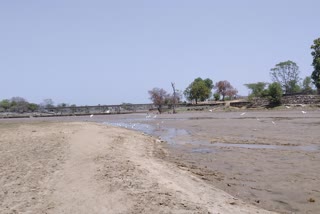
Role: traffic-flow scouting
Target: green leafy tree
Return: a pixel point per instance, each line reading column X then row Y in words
column 256, row 88
column 224, row 88
column 216, row 96
column 199, row 90
column 18, row 104
column 275, row 93
column 287, row 75
column 294, row 86
column 316, row 63
column 306, row 85
column 5, row 104
column 209, row 83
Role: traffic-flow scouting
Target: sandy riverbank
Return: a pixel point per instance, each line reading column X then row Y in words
column 63, row 167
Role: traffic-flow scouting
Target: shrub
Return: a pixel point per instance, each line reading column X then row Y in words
column 216, row 96
column 275, row 93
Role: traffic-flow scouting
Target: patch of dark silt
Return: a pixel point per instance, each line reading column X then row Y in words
column 203, row 150
column 308, row 148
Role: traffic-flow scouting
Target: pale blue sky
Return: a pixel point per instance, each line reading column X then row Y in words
column 109, row 52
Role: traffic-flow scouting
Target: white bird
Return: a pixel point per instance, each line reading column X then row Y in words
column 243, row 114
column 155, row 116
column 91, row 115
column 288, row 107
column 273, row 123
column 108, row 112
column 210, row 110
column 303, row 112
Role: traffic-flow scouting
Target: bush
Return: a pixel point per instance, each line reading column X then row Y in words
column 32, row 107
column 216, row 96
column 275, row 93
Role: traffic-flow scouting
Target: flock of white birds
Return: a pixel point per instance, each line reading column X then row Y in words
column 149, row 116
column 274, row 123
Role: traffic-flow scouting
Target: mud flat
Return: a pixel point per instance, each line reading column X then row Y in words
column 267, row 158
column 82, row 167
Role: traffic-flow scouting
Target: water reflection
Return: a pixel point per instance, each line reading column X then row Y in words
column 164, row 133
column 173, row 137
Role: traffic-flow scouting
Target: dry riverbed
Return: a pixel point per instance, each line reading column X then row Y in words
column 81, row 167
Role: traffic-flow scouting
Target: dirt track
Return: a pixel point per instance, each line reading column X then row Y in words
column 89, row 168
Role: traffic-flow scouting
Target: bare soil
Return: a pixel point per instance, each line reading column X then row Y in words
column 77, row 167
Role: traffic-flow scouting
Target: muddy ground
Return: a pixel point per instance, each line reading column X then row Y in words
column 266, row 158
column 269, row 158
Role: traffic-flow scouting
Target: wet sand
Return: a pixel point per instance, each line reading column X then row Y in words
column 267, row 158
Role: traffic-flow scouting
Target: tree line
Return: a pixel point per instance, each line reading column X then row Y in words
column 198, row 90
column 286, row 79
column 284, row 76
column 21, row 105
